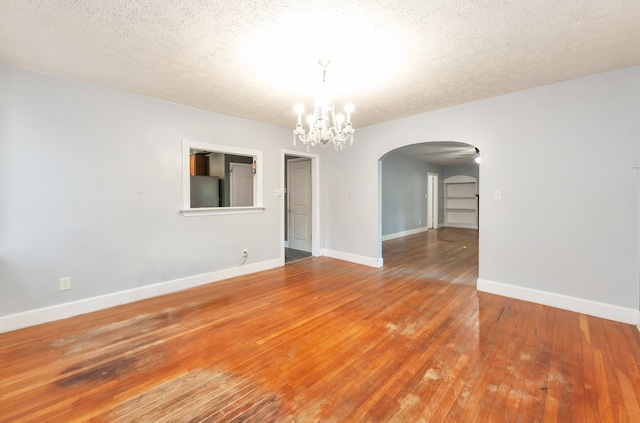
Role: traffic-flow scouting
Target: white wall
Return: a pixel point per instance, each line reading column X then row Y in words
column 561, row 154
column 91, row 188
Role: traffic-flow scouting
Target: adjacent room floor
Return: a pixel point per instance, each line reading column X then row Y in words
column 324, row 340
column 293, row 255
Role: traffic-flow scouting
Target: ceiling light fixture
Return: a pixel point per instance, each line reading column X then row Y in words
column 476, row 157
column 325, row 128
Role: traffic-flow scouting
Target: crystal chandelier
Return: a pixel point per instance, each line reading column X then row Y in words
column 325, row 128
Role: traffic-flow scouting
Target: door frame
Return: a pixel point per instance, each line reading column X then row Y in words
column 432, row 199
column 315, row 199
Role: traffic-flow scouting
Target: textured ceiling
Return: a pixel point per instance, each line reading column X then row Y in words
column 443, row 153
column 257, row 59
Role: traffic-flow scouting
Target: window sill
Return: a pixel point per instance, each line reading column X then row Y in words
column 212, row 211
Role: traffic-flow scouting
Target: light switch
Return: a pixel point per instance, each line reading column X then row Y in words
column 497, row 194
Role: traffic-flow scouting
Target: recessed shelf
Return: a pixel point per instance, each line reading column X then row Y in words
column 461, row 202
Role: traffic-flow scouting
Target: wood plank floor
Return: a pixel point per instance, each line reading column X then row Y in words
column 329, row 341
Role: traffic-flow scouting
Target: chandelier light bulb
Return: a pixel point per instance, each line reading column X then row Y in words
column 348, row 108
column 299, row 110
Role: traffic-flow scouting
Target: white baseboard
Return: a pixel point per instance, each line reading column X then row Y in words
column 354, row 258
column 88, row 305
column 461, row 225
column 579, row 305
column 404, row 233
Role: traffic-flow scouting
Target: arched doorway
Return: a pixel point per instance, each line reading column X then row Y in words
column 429, row 210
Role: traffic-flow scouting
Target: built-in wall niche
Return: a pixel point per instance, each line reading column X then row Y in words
column 461, row 202
column 220, row 179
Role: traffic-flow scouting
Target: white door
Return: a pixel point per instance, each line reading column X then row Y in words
column 241, row 185
column 299, row 207
column 432, row 201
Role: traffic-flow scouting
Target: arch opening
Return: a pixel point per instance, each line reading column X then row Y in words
column 429, row 198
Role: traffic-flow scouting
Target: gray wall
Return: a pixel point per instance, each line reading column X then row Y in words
column 404, row 187
column 565, row 157
column 403, row 190
column 91, row 188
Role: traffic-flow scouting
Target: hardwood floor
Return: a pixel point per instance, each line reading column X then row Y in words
column 326, row 340
column 447, row 254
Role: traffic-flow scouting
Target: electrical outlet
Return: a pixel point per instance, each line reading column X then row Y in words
column 245, row 252
column 65, row 283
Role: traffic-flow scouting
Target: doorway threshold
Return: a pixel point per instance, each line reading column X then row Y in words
column 292, row 255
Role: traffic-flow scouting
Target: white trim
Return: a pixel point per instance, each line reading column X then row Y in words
column 461, row 225
column 88, row 305
column 404, row 233
column 315, row 198
column 638, row 321
column 637, row 181
column 353, row 258
column 210, row 211
column 579, row 305
column 287, row 204
column 433, row 199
